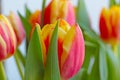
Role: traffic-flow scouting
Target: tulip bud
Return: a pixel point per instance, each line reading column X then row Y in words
column 17, row 26
column 110, row 25
column 7, row 39
column 59, row 9
column 35, row 18
column 70, row 47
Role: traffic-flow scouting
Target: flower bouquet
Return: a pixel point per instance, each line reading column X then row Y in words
column 61, row 44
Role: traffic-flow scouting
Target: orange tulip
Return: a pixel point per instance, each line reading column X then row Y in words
column 59, row 9
column 110, row 25
column 70, row 47
column 7, row 39
column 35, row 18
column 17, row 26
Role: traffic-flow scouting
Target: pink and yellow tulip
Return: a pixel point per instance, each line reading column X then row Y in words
column 59, row 9
column 7, row 38
column 17, row 26
column 70, row 47
column 110, row 25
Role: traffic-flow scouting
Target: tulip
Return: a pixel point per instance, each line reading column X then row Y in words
column 70, row 47
column 17, row 26
column 7, row 38
column 59, row 9
column 110, row 25
column 35, row 18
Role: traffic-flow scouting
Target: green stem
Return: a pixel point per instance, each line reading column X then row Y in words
column 43, row 8
column 21, row 57
column 19, row 65
column 2, row 72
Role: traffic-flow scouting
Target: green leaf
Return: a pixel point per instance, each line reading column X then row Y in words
column 93, row 67
column 82, row 14
column 113, row 65
column 52, row 67
column 112, row 3
column 18, row 63
column 2, row 72
column 28, row 12
column 27, row 26
column 103, row 64
column 34, row 63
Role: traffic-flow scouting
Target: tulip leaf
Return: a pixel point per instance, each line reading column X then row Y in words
column 28, row 12
column 2, row 72
column 52, row 67
column 27, row 26
column 34, row 63
column 82, row 14
column 113, row 65
column 103, row 64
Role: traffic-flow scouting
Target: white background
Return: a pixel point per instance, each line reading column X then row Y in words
column 93, row 6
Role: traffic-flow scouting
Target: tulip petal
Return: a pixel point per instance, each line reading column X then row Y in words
column 73, row 52
column 5, row 34
column 12, row 34
column 35, row 18
column 17, row 26
column 3, row 51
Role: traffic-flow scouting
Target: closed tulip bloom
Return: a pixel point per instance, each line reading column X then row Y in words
column 35, row 18
column 7, row 39
column 70, row 47
column 59, row 9
column 17, row 26
column 110, row 25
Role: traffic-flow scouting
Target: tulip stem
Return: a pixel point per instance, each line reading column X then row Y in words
column 21, row 57
column 2, row 72
column 18, row 65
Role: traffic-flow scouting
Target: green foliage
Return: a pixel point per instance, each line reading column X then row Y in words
column 112, row 2
column 27, row 26
column 34, row 63
column 28, row 12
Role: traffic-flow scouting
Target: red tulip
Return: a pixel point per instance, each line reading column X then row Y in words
column 70, row 47
column 110, row 25
column 59, row 9
column 17, row 26
column 7, row 39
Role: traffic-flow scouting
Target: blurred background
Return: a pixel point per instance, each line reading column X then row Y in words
column 93, row 6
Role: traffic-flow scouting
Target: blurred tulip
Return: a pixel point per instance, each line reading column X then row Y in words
column 35, row 18
column 17, row 26
column 7, row 38
column 110, row 25
column 70, row 47
column 59, row 9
